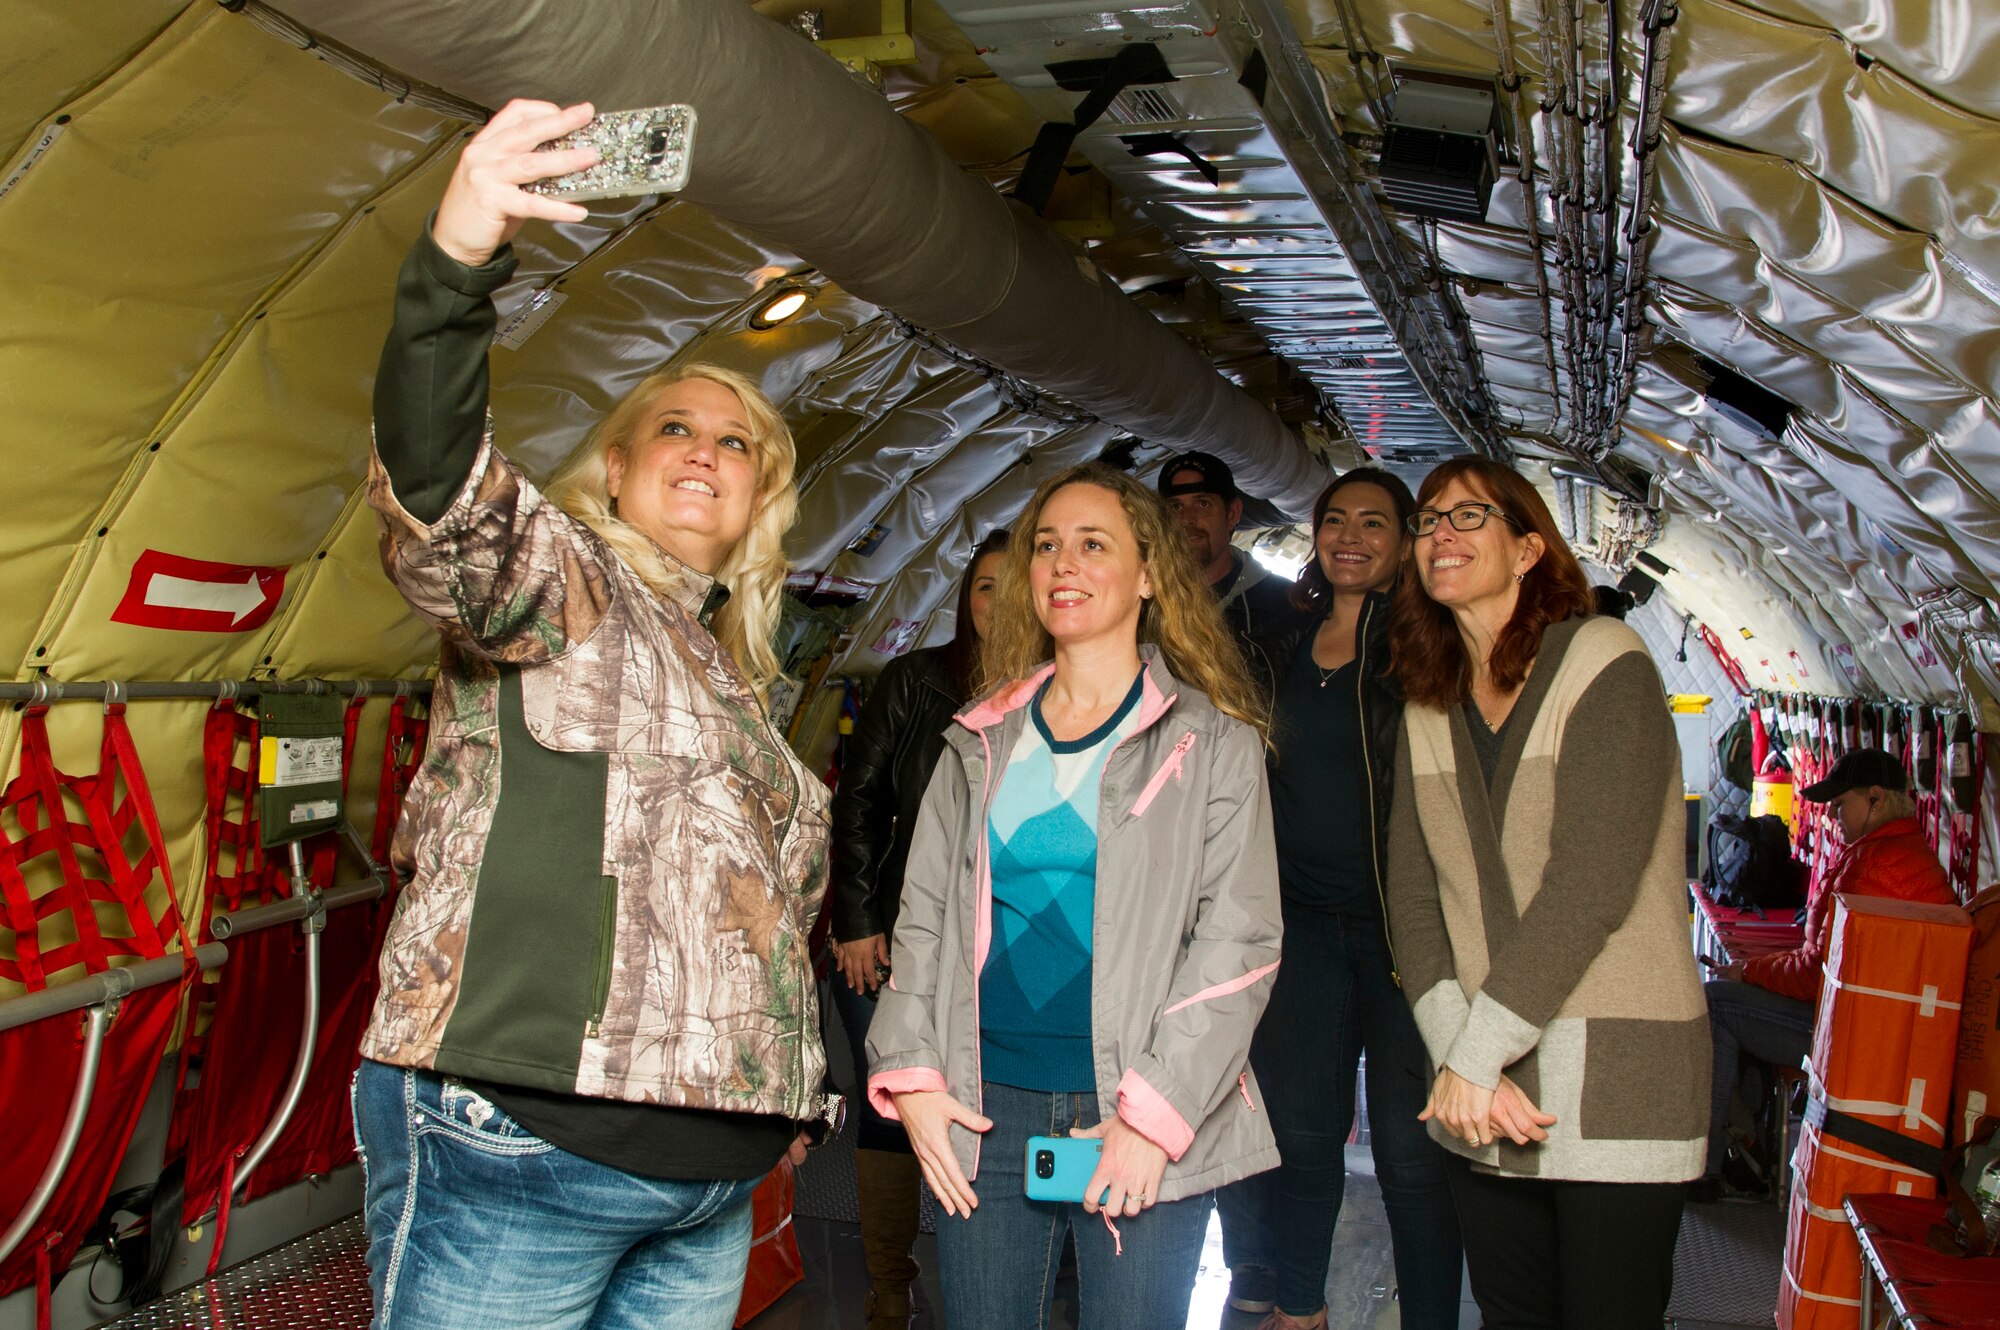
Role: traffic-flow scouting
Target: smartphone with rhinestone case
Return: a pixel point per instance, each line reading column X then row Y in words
column 1058, row 1168
column 648, row 151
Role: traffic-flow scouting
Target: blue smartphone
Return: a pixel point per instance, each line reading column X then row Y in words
column 1058, row 1168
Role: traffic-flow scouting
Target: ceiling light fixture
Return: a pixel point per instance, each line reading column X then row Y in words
column 1659, row 440
column 782, row 304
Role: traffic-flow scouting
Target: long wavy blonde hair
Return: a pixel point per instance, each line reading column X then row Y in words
column 1181, row 618
column 754, row 570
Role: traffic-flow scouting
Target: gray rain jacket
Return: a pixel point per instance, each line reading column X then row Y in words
column 1184, row 938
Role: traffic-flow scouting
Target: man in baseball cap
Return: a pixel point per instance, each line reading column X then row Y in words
column 1861, row 769
column 1199, row 488
column 1202, row 492
column 1766, row 1006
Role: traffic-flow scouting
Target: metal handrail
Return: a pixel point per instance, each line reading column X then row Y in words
column 79, row 1109
column 39, row 692
column 311, row 920
column 108, row 986
column 290, row 908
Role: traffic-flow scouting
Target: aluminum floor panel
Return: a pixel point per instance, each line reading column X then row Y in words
column 320, row 1280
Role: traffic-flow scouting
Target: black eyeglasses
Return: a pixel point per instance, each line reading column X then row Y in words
column 1464, row 517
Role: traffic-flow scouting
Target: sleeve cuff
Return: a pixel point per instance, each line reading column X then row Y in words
column 1147, row 1112
column 1440, row 1017
column 463, row 278
column 1493, row 1039
column 883, row 1087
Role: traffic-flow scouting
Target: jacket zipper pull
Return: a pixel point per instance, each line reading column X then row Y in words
column 1243, row 1088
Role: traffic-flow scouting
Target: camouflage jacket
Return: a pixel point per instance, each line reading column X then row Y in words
column 612, row 858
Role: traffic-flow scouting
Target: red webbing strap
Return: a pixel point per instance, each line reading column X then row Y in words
column 402, row 752
column 113, row 801
column 350, row 724
column 44, row 1281
column 247, row 879
column 112, row 819
column 222, row 1209
column 1728, row 662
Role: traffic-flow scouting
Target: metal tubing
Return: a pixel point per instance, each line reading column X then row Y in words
column 1436, row 350
column 37, row 692
column 260, row 917
column 79, row 1109
column 105, row 987
column 301, row 1068
column 308, row 1028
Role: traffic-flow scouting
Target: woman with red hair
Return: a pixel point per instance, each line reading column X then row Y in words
column 1537, row 907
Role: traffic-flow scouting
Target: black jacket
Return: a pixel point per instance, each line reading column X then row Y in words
column 1272, row 656
column 1258, row 604
column 883, row 775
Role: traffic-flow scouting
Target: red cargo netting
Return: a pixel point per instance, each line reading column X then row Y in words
column 117, row 809
column 97, row 839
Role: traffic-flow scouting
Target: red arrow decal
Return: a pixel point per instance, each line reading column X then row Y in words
column 198, row 596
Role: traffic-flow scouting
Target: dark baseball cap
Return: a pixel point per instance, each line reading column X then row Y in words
column 1857, row 770
column 1214, row 476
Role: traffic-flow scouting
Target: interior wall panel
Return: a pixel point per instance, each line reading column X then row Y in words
column 133, row 267
column 51, row 51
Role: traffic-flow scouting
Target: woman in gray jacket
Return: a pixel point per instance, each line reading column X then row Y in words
column 1089, row 925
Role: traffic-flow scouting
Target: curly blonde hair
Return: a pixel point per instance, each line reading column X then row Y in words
column 1181, row 618
column 754, row 570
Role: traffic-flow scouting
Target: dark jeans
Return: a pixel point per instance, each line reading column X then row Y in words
column 1333, row 999
column 999, row 1265
column 872, row 1131
column 1743, row 1018
column 1568, row 1255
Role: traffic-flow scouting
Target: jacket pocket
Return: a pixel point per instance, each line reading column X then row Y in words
column 1169, row 770
column 607, row 935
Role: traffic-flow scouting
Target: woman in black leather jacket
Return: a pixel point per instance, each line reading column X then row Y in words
column 1336, row 711
column 886, row 769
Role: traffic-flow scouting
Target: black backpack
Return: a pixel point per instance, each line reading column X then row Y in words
column 1750, row 864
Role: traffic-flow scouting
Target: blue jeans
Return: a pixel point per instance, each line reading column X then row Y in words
column 872, row 1130
column 1334, row 998
column 474, row 1222
column 1743, row 1018
column 999, row 1266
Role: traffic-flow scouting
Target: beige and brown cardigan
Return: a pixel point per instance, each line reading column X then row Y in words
column 1540, row 928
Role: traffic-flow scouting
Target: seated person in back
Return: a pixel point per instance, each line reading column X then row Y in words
column 1766, row 1006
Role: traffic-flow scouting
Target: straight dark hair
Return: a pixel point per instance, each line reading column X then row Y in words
column 1425, row 650
column 1312, row 592
column 961, row 654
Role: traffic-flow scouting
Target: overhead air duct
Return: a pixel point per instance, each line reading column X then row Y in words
column 793, row 148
